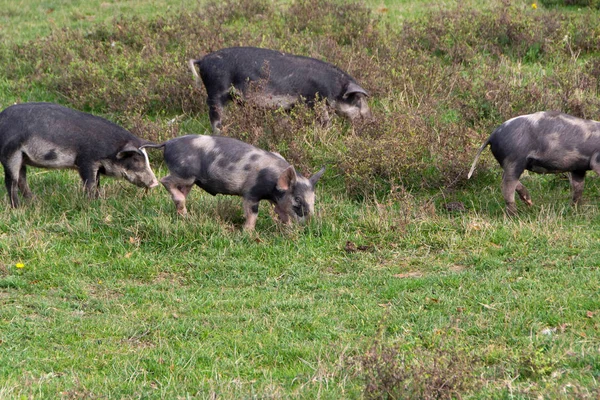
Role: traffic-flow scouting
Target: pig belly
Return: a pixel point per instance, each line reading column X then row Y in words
column 216, row 186
column 543, row 166
column 40, row 153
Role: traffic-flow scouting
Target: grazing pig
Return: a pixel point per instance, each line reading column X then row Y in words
column 52, row 136
column 287, row 79
column 225, row 165
column 544, row 142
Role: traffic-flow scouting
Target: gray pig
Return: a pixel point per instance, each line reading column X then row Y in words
column 544, row 142
column 48, row 135
column 223, row 165
column 287, row 79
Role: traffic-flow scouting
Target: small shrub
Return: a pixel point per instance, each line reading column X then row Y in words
column 390, row 372
column 345, row 23
column 156, row 131
column 534, row 364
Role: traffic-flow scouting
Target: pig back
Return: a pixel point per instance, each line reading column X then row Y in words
column 223, row 165
column 83, row 133
column 284, row 74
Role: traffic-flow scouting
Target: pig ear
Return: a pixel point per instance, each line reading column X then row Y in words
column 127, row 151
column 287, row 179
column 353, row 88
column 313, row 179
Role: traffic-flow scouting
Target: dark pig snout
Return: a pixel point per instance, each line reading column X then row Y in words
column 135, row 166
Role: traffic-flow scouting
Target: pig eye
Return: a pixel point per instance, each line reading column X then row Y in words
column 298, row 200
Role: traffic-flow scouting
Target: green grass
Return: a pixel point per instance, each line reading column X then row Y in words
column 25, row 20
column 118, row 297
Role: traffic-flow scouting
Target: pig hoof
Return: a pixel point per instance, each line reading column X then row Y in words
column 511, row 210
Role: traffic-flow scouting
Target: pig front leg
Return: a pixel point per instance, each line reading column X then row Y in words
column 577, row 180
column 251, row 213
column 91, row 179
column 179, row 191
column 283, row 215
column 325, row 118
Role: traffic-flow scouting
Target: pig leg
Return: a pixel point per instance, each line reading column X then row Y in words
column 523, row 193
column 11, row 177
column 283, row 216
column 577, row 179
column 510, row 182
column 11, row 183
column 91, row 180
column 251, row 213
column 179, row 192
column 215, row 111
column 325, row 118
column 23, row 186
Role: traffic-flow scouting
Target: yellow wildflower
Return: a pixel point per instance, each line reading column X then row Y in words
column 20, row 265
column 534, row 6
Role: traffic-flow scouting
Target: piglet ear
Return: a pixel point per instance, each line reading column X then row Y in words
column 353, row 88
column 127, row 151
column 287, row 179
column 313, row 179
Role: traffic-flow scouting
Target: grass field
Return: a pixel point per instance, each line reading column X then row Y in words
column 385, row 294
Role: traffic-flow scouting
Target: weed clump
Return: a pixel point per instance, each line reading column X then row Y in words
column 439, row 373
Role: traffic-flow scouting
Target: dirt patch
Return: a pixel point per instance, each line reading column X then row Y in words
column 457, row 268
column 413, row 274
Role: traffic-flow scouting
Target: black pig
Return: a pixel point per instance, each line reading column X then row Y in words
column 52, row 136
column 287, row 79
column 223, row 165
column 544, row 142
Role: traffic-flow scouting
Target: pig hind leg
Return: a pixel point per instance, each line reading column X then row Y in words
column 577, row 179
column 215, row 110
column 523, row 193
column 12, row 168
column 179, row 191
column 11, row 183
column 510, row 184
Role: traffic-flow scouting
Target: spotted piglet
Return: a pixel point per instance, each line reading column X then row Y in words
column 223, row 165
